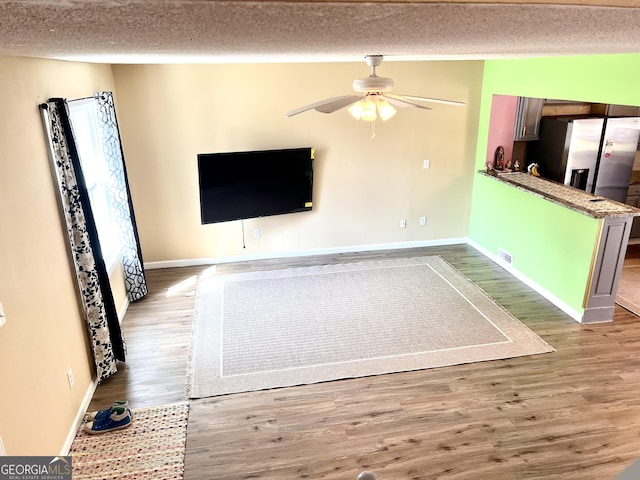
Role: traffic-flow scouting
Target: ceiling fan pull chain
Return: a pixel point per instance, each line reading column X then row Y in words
column 373, row 130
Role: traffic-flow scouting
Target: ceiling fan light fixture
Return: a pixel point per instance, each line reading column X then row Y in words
column 385, row 109
column 369, row 111
column 364, row 109
column 356, row 109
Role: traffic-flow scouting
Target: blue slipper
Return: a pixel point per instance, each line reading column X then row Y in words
column 89, row 416
column 118, row 417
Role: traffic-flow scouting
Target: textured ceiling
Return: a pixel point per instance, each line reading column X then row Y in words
column 135, row 31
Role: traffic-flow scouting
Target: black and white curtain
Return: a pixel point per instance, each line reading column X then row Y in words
column 93, row 280
column 121, row 207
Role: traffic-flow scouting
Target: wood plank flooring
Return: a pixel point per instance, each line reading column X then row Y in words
column 571, row 414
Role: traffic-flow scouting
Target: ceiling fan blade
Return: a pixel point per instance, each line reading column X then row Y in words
column 402, row 103
column 338, row 103
column 426, row 99
column 328, row 105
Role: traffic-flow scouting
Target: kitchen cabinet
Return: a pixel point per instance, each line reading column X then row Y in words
column 623, row 111
column 528, row 116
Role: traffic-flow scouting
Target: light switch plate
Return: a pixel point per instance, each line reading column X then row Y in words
column 3, row 319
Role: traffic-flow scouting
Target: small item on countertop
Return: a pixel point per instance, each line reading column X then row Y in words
column 498, row 160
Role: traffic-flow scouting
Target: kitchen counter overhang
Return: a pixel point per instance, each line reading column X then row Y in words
column 569, row 197
column 610, row 245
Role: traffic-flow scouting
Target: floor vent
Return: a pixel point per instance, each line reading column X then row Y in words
column 503, row 255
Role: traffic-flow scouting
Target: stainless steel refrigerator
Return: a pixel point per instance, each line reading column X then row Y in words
column 593, row 154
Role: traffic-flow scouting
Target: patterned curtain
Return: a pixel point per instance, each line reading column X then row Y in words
column 93, row 280
column 122, row 208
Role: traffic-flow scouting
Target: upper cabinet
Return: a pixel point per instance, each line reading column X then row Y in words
column 528, row 116
column 623, row 111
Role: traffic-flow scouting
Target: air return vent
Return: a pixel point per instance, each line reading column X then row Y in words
column 503, row 255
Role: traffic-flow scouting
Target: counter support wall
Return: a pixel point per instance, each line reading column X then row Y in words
column 600, row 297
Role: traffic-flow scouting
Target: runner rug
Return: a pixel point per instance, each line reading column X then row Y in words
column 270, row 329
column 152, row 447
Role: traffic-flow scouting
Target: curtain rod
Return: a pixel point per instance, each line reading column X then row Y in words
column 93, row 97
column 45, row 106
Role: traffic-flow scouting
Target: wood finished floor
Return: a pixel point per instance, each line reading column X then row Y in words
column 571, row 414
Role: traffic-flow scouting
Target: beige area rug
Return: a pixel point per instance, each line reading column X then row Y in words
column 628, row 295
column 279, row 328
column 151, row 448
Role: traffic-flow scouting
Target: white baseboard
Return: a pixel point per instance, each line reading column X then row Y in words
column 79, row 417
column 123, row 309
column 304, row 253
column 577, row 316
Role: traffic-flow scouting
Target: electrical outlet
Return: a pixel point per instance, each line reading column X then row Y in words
column 426, row 164
column 256, row 233
column 70, row 378
column 423, row 221
column 3, row 319
column 403, row 223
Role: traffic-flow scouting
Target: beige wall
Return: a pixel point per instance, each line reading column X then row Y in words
column 363, row 187
column 167, row 115
column 44, row 335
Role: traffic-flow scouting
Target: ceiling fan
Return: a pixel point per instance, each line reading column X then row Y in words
column 373, row 102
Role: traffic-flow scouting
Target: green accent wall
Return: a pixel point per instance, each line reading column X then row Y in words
column 551, row 245
column 540, row 236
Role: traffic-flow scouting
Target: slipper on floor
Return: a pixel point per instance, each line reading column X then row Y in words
column 119, row 417
column 89, row 416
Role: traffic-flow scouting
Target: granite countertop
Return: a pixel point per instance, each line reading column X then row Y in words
column 573, row 198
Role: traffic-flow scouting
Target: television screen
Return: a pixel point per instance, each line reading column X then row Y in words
column 239, row 185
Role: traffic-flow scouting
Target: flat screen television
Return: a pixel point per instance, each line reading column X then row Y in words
column 240, row 185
